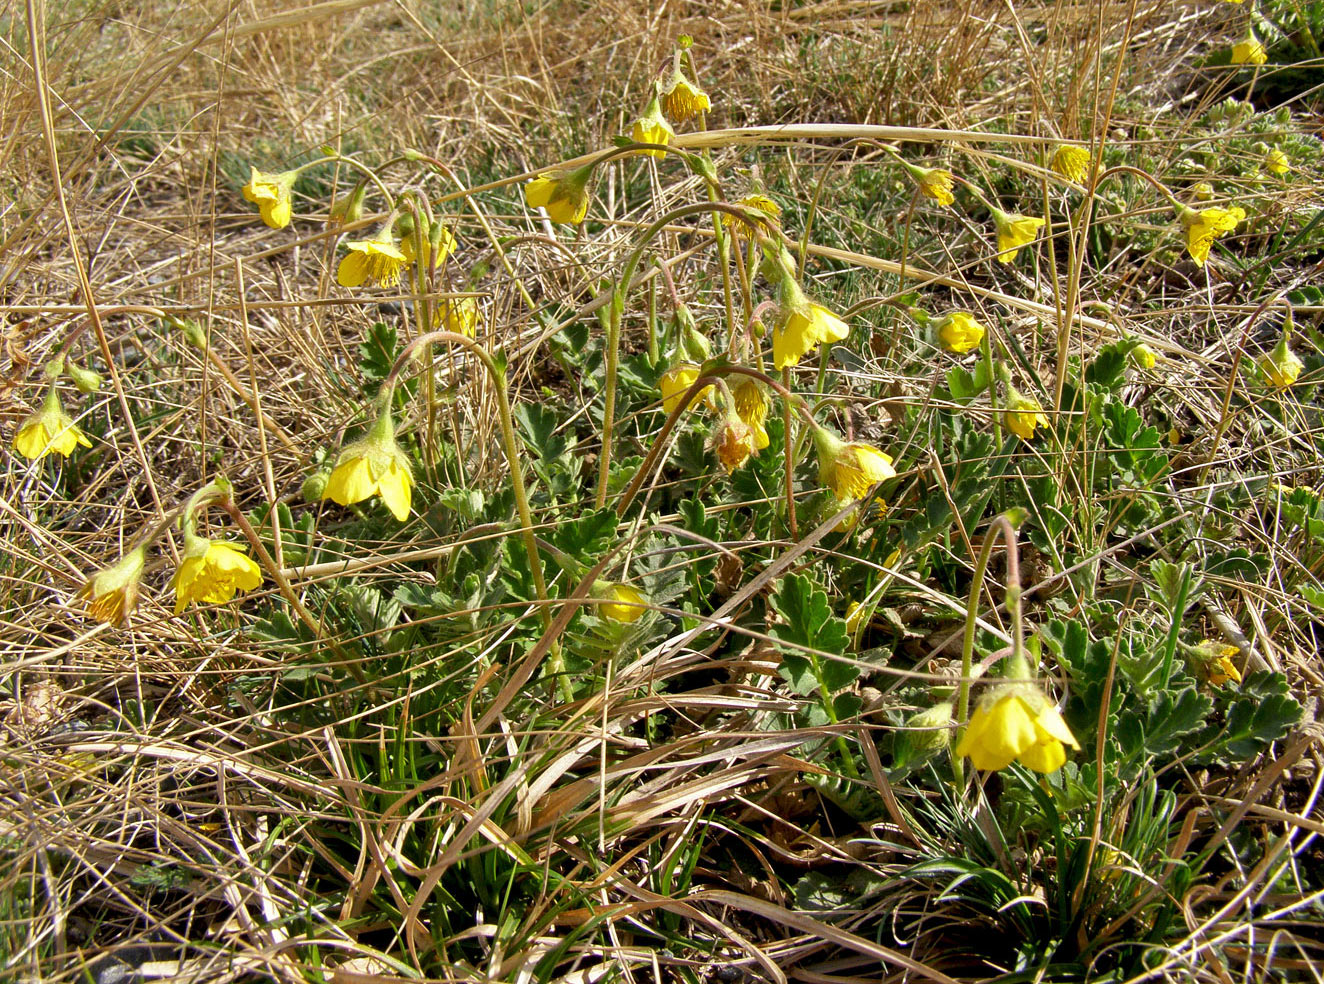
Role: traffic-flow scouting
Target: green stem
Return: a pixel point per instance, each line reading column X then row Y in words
column 1174, row 630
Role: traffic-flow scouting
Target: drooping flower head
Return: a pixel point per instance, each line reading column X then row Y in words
column 1023, row 414
column 849, row 469
column 49, row 429
column 374, row 465
column 934, row 182
column 1143, row 356
column 1014, row 231
column 1280, row 366
column 675, row 383
column 1206, row 225
column 1213, row 662
column 764, row 216
column 959, row 332
column 563, row 195
column 112, row 593
column 1276, row 161
column 212, row 571
column 681, row 98
column 752, row 406
column 801, row 325
column 271, row 193
column 1249, row 51
column 734, row 441
column 620, row 602
column 441, row 244
column 458, row 314
column 373, row 261
column 651, row 128
column 1016, row 721
column 1070, row 162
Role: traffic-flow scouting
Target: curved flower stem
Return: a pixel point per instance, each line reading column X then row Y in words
column 362, row 168
column 510, row 444
column 1000, row 524
column 613, row 343
column 788, row 453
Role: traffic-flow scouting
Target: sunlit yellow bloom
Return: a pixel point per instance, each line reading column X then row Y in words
column 1276, row 161
column 651, row 128
column 1249, row 52
column 620, row 602
column 212, row 571
column 1202, row 191
column 372, row 466
column 851, row 469
column 1281, row 366
column 443, row 247
column 676, row 381
column 49, row 429
column 1144, row 356
column 763, row 214
column 752, row 405
column 1014, row 231
column 1206, row 225
column 112, row 593
column 934, row 182
column 1071, row 162
column 563, row 195
column 1016, row 722
column 458, row 314
column 271, row 194
column 801, row 326
column 1023, row 415
column 959, row 332
column 374, row 261
column 1213, row 661
column 682, row 99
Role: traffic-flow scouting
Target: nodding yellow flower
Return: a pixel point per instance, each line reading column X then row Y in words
column 1143, row 356
column 271, row 193
column 374, row 261
column 212, row 571
column 851, row 469
column 734, row 441
column 49, row 429
column 1070, row 162
column 959, row 332
column 1249, row 52
column 1276, row 161
column 1206, row 225
column 1016, row 721
column 443, row 246
column 764, row 215
column 1202, row 191
column 1213, row 661
column 802, row 325
column 1023, row 415
column 676, row 381
column 651, row 128
column 1014, row 231
column 563, row 195
column 752, row 406
column 372, row 466
column 1281, row 366
column 112, row 593
column 934, row 182
column 682, row 99
column 620, row 602
column 459, row 314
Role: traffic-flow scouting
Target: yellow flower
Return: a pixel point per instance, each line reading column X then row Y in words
column 620, row 602
column 112, row 593
column 1016, row 722
column 1203, row 227
column 651, row 128
column 50, row 429
column 1071, row 162
column 459, row 314
column 375, row 261
column 372, row 466
column 855, row 613
column 1281, row 366
column 850, row 470
column 752, row 406
column 271, row 194
column 734, row 441
column 763, row 214
column 934, row 182
column 1213, row 661
column 682, row 99
column 959, row 332
column 564, row 196
column 1023, row 415
column 212, row 571
column 676, row 381
column 1014, row 231
column 1202, row 191
column 1276, row 161
column 1249, row 52
column 442, row 248
column 802, row 325
column 1144, row 356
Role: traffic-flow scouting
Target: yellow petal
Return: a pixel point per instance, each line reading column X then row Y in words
column 350, row 482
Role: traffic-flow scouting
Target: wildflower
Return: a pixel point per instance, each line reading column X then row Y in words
column 376, row 261
column 1023, row 415
column 1276, row 161
column 459, row 314
column 563, row 195
column 271, row 194
column 1143, row 356
column 1249, row 52
column 959, row 332
column 752, row 406
column 50, row 429
column 734, row 441
column 676, row 381
column 651, row 128
column 682, row 99
column 441, row 244
column 349, row 208
column 1014, row 231
column 1281, row 365
column 212, row 571
column 1202, row 191
column 1016, row 721
column 925, row 733
column 1213, row 661
column 801, row 325
column 112, row 593
column 694, row 342
column 372, row 466
column 620, row 602
column 851, row 469
column 1204, row 226
column 762, row 215
column 934, row 182
column 86, row 380
column 1070, row 162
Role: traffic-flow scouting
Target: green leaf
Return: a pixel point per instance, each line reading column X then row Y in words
column 1171, row 717
column 1108, row 367
column 1135, row 449
column 810, row 631
column 537, row 425
column 1264, row 712
column 377, row 351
